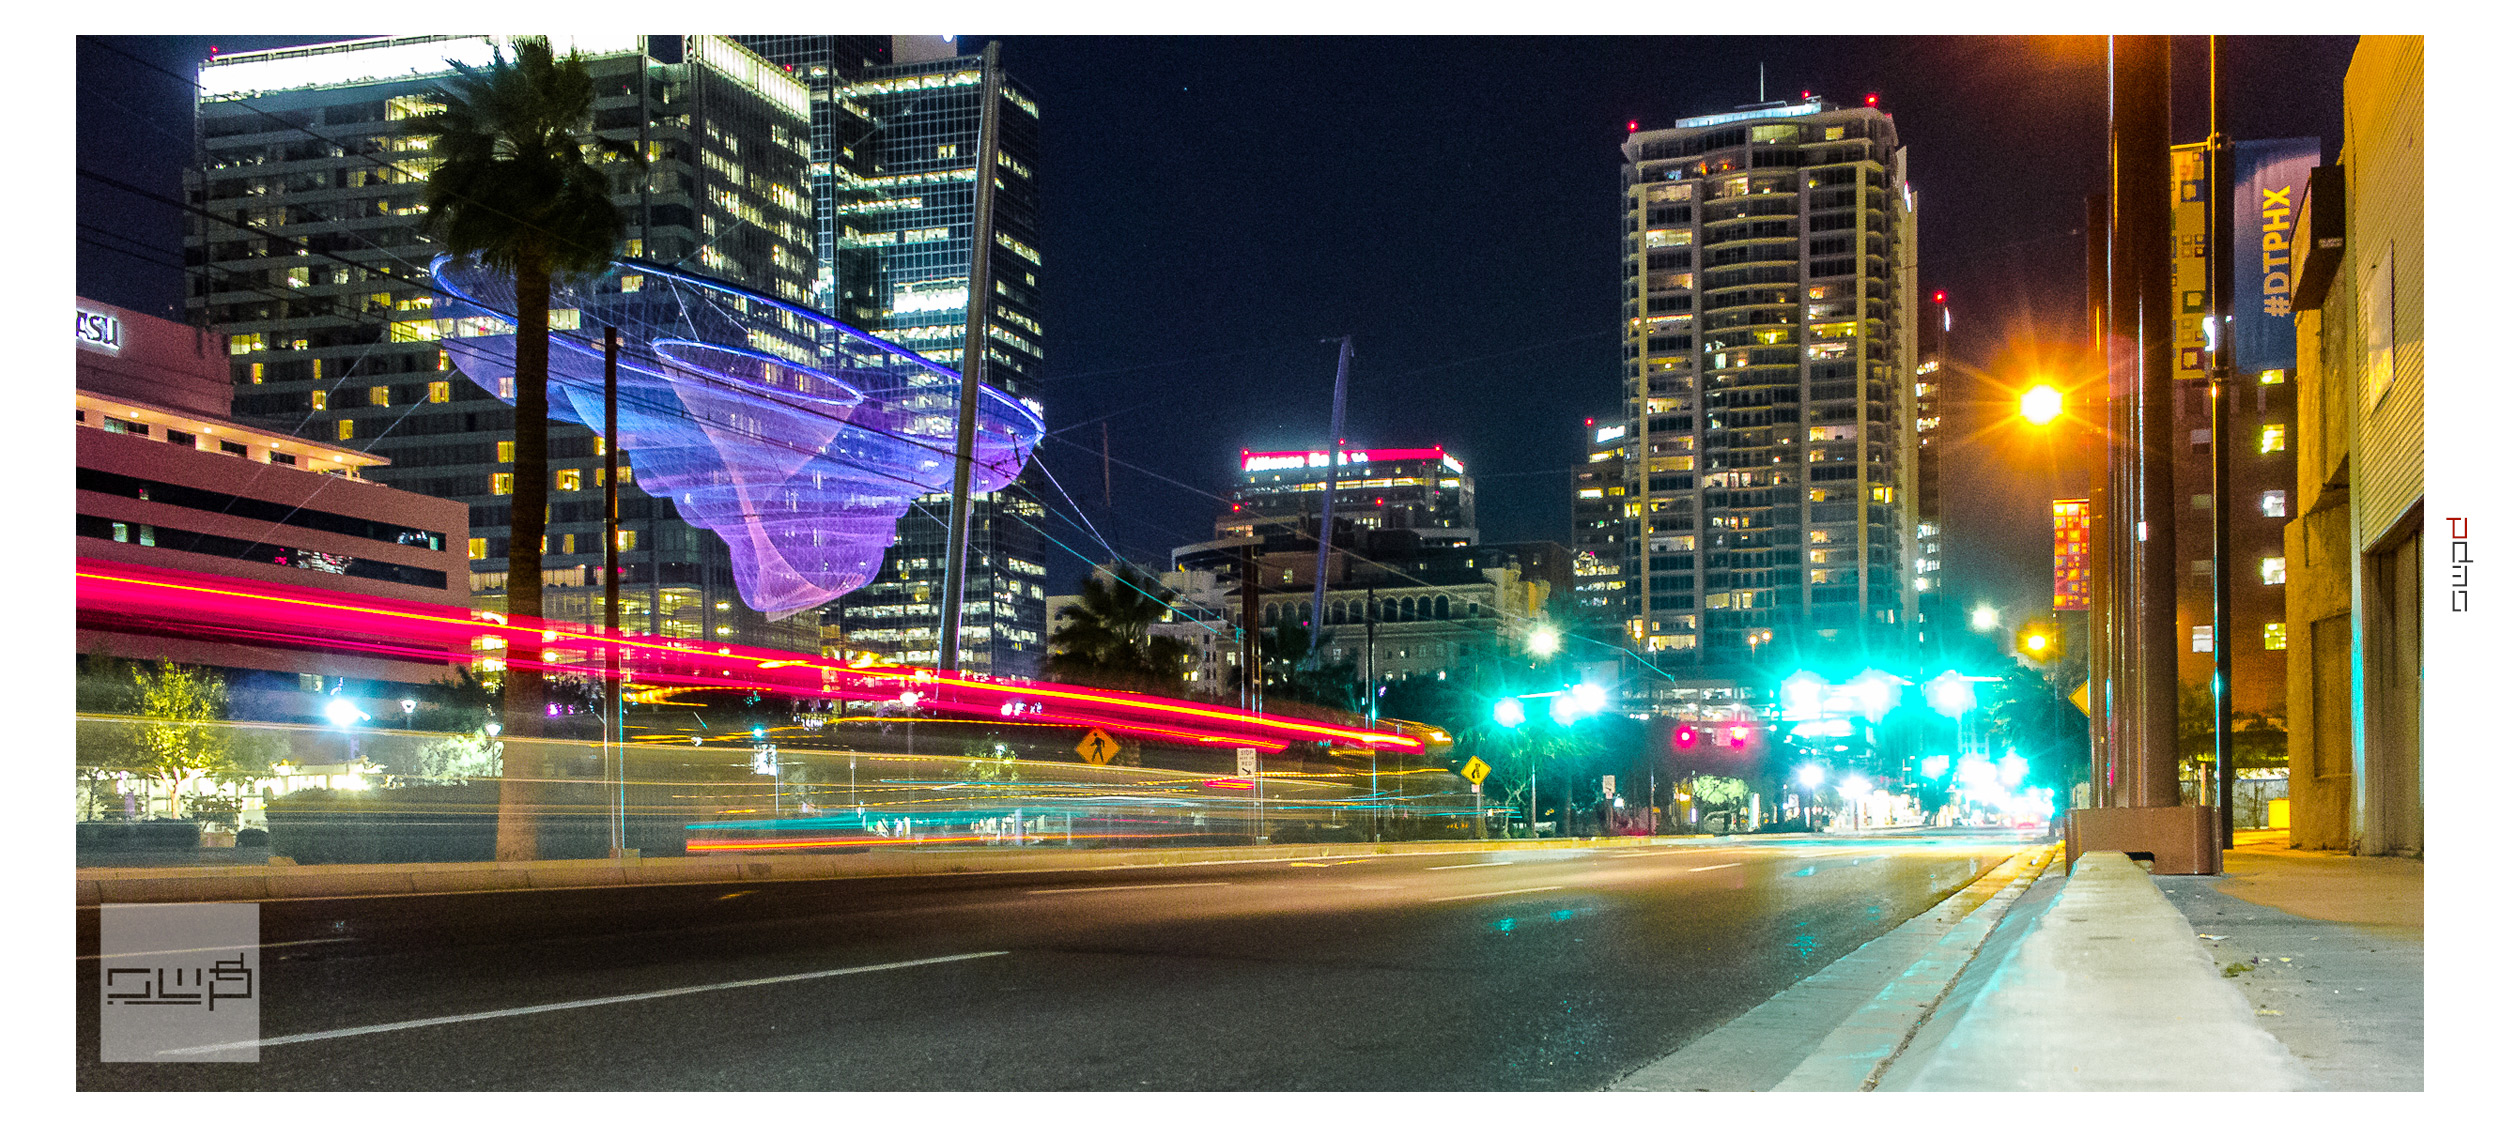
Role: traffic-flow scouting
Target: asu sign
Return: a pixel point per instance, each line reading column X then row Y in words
column 99, row 330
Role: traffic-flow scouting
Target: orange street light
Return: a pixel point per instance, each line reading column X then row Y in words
column 2042, row 404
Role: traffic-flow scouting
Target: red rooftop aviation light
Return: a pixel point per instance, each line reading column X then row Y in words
column 1939, row 297
column 1631, row 127
column 1870, row 99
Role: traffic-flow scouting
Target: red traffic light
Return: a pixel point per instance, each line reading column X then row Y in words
column 1686, row 736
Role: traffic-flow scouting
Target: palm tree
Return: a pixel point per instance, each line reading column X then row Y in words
column 516, row 188
column 1108, row 640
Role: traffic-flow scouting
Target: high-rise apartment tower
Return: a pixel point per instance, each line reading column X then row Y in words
column 1769, row 262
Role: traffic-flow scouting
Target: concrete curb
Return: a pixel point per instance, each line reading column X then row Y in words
column 1853, row 1056
column 321, row 881
column 2109, row 991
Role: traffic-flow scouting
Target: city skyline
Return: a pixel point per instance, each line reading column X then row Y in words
column 1191, row 338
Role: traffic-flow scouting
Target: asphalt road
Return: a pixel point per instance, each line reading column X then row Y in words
column 1528, row 970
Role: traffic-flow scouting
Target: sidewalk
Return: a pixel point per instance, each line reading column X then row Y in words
column 2333, row 950
column 2291, row 971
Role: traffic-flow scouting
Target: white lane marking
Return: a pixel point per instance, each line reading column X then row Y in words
column 1482, row 894
column 216, row 949
column 397, row 1026
column 1711, row 868
column 1486, row 864
column 1132, row 887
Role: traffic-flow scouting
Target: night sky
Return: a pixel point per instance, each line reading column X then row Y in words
column 1216, row 211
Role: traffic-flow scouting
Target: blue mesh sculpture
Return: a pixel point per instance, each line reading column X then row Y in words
column 797, row 439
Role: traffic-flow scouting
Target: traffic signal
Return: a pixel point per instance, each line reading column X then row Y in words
column 1738, row 736
column 2040, row 641
column 1686, row 736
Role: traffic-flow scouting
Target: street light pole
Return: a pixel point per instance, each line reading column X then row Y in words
column 2219, row 180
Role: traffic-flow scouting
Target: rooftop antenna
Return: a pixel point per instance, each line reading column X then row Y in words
column 1762, row 82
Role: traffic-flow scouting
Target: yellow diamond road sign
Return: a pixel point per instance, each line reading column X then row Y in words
column 1475, row 771
column 1098, row 748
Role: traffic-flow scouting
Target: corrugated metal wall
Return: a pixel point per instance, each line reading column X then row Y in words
column 2383, row 151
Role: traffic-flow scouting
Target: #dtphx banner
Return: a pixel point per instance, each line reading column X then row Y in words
column 2270, row 180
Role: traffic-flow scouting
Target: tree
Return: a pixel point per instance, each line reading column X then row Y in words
column 179, row 738
column 1108, row 640
column 1291, row 673
column 1713, row 791
column 516, row 190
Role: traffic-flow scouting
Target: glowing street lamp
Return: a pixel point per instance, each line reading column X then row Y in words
column 1508, row 712
column 2042, row 404
column 1984, row 618
column 1544, row 640
column 343, row 712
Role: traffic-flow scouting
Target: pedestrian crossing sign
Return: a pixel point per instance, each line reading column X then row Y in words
column 1098, row 748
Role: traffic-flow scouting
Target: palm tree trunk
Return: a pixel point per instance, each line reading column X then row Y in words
column 524, row 686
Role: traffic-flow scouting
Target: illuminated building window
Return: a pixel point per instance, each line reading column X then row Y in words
column 503, row 451
column 2273, row 502
column 347, row 429
column 2270, row 439
column 625, row 539
column 321, row 400
column 569, row 480
column 442, row 360
column 568, row 543
column 477, row 548
column 378, row 396
column 2270, row 570
column 258, row 371
column 2200, row 639
column 438, row 391
column 2276, row 638
column 246, row 342
column 2270, row 376
column 501, row 485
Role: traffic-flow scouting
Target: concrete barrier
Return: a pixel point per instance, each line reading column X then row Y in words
column 316, row 881
column 2110, row 992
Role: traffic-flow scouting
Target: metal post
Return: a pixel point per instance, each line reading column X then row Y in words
column 2219, row 197
column 614, row 732
column 2100, row 579
column 1328, row 503
column 1251, row 674
column 976, row 352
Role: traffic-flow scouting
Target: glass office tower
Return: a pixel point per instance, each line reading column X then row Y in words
column 308, row 257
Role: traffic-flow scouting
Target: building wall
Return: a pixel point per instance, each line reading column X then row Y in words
column 2355, row 677
column 186, row 489
column 2383, row 259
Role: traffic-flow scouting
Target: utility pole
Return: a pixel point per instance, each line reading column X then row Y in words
column 976, row 355
column 2219, row 196
column 614, row 732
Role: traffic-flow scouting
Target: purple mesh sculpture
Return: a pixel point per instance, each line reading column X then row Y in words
column 797, row 439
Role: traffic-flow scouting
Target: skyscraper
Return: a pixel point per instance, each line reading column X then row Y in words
column 896, row 130
column 1769, row 259
column 309, row 259
column 1935, row 325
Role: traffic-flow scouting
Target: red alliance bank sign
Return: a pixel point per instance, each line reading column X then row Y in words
column 1318, row 459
